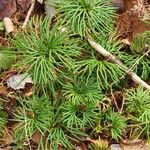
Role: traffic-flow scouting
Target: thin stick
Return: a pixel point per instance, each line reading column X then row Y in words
column 113, row 59
column 130, row 69
column 29, row 14
column 137, row 61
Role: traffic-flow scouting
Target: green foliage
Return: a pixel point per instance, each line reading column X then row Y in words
column 93, row 65
column 46, row 51
column 57, row 137
column 34, row 114
column 138, row 108
column 111, row 43
column 37, row 114
column 86, row 16
column 60, row 135
column 82, row 97
column 3, row 120
column 105, row 72
column 141, row 43
column 139, row 46
column 78, row 75
column 141, row 66
column 136, row 99
column 2, row 26
column 114, row 124
column 80, row 90
column 6, row 58
column 82, row 115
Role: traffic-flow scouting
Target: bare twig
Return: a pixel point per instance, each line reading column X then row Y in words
column 138, row 60
column 29, row 14
column 113, row 59
column 130, row 69
column 122, row 106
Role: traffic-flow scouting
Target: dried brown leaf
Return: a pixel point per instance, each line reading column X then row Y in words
column 139, row 145
column 25, row 4
column 3, row 90
column 7, row 8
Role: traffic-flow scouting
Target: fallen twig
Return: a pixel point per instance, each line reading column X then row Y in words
column 29, row 14
column 113, row 59
column 130, row 69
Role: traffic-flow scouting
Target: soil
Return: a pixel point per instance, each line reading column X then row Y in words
column 129, row 22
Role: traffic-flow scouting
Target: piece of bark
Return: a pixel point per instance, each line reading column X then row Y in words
column 113, row 59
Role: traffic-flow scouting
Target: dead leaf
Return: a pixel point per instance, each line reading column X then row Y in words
column 3, row 41
column 7, row 8
column 7, row 137
column 36, row 137
column 126, row 41
column 3, row 90
column 29, row 94
column 25, row 4
column 78, row 148
column 142, row 145
column 7, row 74
column 17, row 82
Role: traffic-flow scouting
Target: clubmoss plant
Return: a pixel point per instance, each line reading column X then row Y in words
column 82, row 115
column 139, row 46
column 34, row 114
column 45, row 51
column 57, row 137
column 86, row 16
column 80, row 90
column 110, row 42
column 138, row 108
column 60, row 135
column 141, row 43
column 114, row 123
column 138, row 58
column 140, row 65
column 104, row 71
column 92, row 64
column 59, row 61
column 3, row 120
column 6, row 58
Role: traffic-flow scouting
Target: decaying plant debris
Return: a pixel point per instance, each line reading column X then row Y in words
column 85, row 68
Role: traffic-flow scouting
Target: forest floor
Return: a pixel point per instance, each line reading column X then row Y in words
column 130, row 22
